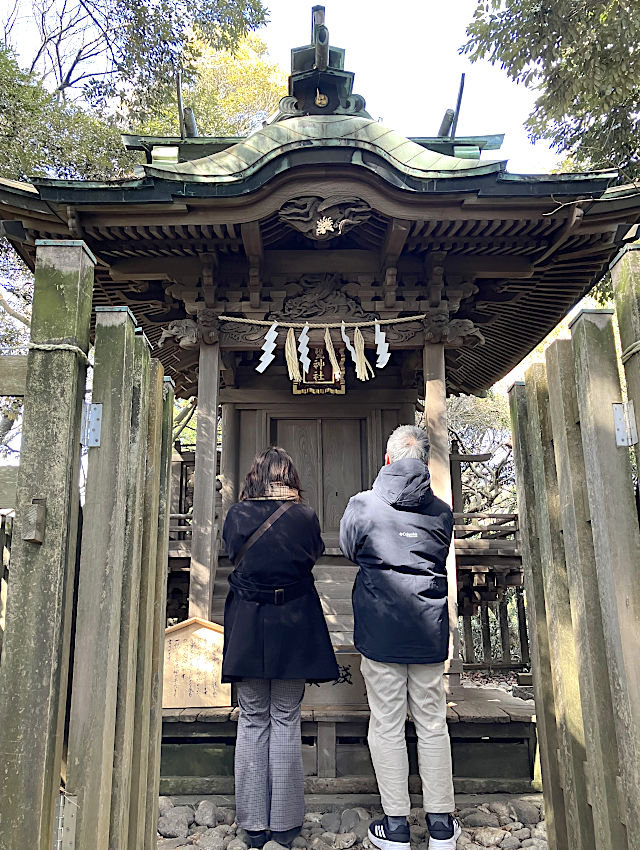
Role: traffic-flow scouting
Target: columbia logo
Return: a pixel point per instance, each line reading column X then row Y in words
column 408, row 533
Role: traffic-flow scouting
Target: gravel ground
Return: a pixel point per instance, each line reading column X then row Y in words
column 507, row 822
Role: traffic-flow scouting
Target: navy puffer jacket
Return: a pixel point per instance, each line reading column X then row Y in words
column 398, row 533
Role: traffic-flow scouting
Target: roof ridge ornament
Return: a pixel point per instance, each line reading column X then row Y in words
column 318, row 84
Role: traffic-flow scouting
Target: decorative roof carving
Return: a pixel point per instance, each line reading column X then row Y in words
column 322, row 219
column 322, row 297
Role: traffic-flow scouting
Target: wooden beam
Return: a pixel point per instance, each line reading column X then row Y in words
column 35, row 654
column 616, row 539
column 538, row 629
column 204, row 540
column 229, row 456
column 13, row 374
column 97, row 650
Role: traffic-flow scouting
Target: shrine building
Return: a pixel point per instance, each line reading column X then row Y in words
column 421, row 266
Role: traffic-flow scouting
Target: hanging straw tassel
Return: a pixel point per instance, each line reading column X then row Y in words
column 363, row 367
column 335, row 366
column 291, row 354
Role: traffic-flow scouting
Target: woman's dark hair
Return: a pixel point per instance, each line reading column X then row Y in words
column 271, row 466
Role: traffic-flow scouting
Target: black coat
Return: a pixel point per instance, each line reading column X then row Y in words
column 399, row 534
column 262, row 639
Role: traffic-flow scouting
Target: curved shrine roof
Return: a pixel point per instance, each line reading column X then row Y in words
column 240, row 161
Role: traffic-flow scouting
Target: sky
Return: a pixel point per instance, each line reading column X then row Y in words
column 407, row 67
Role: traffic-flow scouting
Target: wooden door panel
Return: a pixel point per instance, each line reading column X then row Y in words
column 300, row 438
column 341, row 467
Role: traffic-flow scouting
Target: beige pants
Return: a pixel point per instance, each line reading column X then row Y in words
column 388, row 687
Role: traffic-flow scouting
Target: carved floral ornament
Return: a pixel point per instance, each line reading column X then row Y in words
column 321, row 219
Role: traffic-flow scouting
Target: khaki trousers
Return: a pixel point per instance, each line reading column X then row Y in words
column 389, row 688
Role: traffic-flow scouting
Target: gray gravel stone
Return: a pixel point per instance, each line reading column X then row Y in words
column 164, row 804
column 480, row 818
column 524, row 811
column 313, row 817
column 236, row 844
column 173, row 825
column 331, row 821
column 171, row 843
column 299, row 841
column 522, row 833
column 352, row 818
column 489, row 836
column 417, row 817
column 539, row 831
column 499, row 808
column 211, row 840
column 316, row 843
column 187, row 811
column 340, row 841
column 206, row 813
column 510, row 843
column 419, row 832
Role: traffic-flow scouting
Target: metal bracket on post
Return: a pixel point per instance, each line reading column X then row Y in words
column 91, row 425
column 624, row 420
column 69, row 821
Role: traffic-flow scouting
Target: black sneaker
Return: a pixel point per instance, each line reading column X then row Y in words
column 257, row 837
column 381, row 834
column 443, row 834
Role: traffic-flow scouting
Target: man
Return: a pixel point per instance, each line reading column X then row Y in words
column 399, row 535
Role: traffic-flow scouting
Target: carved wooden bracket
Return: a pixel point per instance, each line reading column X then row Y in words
column 252, row 241
column 321, row 219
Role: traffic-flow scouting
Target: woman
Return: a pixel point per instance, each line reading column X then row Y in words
column 275, row 639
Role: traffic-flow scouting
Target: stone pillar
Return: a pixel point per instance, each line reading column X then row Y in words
column 435, row 412
column 626, row 282
column 204, row 540
column 35, row 661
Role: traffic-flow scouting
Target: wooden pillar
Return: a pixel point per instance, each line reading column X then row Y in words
column 469, row 653
column 159, row 624
column 616, row 540
column 204, row 543
column 435, row 412
column 229, row 457
column 35, row 654
column 505, row 637
column 486, row 632
column 456, row 480
column 586, row 616
column 97, row 642
column 148, row 571
column 130, row 596
column 538, row 630
column 522, row 627
column 564, row 668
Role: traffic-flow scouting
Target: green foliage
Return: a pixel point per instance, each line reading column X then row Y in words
column 494, row 631
column 230, row 92
column 583, row 56
column 42, row 136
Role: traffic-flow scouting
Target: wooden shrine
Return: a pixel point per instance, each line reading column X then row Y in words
column 430, row 251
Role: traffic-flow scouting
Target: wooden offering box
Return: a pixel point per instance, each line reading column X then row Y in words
column 193, row 665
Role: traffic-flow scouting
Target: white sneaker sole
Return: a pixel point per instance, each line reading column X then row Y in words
column 385, row 844
column 446, row 843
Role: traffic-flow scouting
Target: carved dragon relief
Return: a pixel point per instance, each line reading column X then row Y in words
column 325, row 218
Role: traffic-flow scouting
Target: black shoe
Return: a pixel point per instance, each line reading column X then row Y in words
column 381, row 834
column 444, row 831
column 257, row 837
column 285, row 838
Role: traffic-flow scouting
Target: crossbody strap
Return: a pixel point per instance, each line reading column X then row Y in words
column 257, row 534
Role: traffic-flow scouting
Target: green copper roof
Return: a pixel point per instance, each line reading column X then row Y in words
column 332, row 131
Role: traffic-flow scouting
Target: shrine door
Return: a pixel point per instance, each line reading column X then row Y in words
column 330, row 458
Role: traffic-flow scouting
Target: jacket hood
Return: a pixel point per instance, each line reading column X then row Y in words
column 404, row 483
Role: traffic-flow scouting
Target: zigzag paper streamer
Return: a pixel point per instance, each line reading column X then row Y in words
column 268, row 348
column 303, row 349
column 382, row 349
column 345, row 339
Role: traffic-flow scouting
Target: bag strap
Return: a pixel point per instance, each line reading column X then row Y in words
column 257, row 534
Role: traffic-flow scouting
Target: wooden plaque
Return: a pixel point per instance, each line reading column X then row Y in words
column 193, row 666
column 348, row 689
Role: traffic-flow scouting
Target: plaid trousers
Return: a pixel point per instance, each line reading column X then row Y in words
column 268, row 761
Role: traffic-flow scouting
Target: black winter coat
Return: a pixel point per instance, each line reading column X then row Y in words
column 286, row 637
column 399, row 534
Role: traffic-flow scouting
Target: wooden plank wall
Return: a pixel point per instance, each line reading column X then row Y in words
column 581, row 550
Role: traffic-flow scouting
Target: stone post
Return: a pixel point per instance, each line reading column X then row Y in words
column 626, row 282
column 435, row 411
column 97, row 642
column 35, row 655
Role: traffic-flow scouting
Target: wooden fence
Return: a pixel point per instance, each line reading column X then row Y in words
column 81, row 672
column 581, row 558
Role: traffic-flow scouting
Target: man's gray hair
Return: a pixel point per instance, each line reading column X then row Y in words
column 408, row 441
